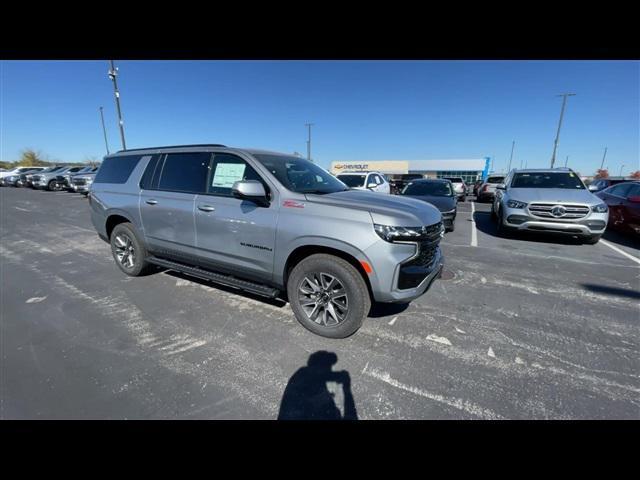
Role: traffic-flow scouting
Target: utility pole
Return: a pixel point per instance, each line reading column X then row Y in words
column 555, row 144
column 566, row 160
column 104, row 131
column 308, row 125
column 603, row 157
column 113, row 73
column 513, row 144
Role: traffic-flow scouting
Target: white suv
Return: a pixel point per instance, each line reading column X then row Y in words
column 374, row 181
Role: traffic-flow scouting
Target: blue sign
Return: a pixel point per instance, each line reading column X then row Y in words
column 487, row 164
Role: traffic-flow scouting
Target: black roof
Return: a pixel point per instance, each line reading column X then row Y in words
column 173, row 146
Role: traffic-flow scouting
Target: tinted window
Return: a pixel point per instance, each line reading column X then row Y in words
column 117, row 169
column 185, row 172
column 228, row 169
column 437, row 189
column 634, row 191
column 620, row 190
column 547, row 180
column 352, row 180
column 145, row 181
column 495, row 179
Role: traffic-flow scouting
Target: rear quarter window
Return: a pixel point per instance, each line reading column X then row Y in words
column 117, row 169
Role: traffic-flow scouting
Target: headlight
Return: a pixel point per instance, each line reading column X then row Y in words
column 516, row 204
column 600, row 208
column 402, row 234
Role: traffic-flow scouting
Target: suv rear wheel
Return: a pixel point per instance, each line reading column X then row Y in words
column 128, row 251
column 328, row 296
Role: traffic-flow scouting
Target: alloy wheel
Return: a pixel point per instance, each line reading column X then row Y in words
column 323, row 299
column 125, row 253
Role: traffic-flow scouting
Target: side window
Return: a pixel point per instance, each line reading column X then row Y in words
column 620, row 190
column 147, row 176
column 228, row 169
column 117, row 169
column 634, row 191
column 185, row 172
column 373, row 178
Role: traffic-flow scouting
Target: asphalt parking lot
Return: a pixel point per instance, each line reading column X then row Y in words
column 520, row 328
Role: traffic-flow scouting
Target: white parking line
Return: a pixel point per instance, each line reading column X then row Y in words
column 474, row 233
column 622, row 252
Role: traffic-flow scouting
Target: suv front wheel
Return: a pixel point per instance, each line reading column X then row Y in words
column 128, row 251
column 328, row 296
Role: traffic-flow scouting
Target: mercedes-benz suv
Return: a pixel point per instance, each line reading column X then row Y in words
column 549, row 200
column 268, row 223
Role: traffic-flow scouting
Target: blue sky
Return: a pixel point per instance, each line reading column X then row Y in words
column 373, row 110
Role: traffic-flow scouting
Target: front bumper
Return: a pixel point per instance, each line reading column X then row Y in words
column 591, row 224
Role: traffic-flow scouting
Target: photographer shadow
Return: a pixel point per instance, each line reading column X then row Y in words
column 307, row 397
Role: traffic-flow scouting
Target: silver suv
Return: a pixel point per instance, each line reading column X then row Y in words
column 270, row 224
column 549, row 200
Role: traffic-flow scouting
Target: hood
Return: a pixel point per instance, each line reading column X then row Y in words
column 553, row 195
column 384, row 209
column 444, row 204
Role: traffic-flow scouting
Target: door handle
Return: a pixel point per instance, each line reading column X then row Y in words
column 206, row 208
column 151, row 202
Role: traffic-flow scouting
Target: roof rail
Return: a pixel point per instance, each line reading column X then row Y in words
column 174, row 146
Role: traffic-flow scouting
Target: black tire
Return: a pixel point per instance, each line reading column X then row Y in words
column 592, row 240
column 452, row 227
column 463, row 199
column 494, row 217
column 134, row 247
column 358, row 302
column 51, row 186
column 504, row 232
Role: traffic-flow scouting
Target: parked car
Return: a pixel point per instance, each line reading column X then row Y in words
column 437, row 192
column 29, row 176
column 81, row 183
column 549, row 200
column 68, row 176
column 397, row 182
column 267, row 223
column 52, row 180
column 374, row 181
column 488, row 188
column 13, row 171
column 17, row 179
column 22, row 178
column 623, row 200
column 476, row 185
column 600, row 184
column 459, row 187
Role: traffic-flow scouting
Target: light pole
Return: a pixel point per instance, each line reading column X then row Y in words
column 104, row 131
column 620, row 174
column 555, row 144
column 308, row 125
column 113, row 73
column 566, row 160
column 513, row 144
column 603, row 157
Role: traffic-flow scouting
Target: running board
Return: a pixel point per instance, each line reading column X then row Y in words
column 220, row 278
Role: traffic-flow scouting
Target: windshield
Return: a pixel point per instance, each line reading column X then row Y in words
column 300, row 175
column 436, row 189
column 547, row 180
column 352, row 180
column 495, row 179
column 453, row 179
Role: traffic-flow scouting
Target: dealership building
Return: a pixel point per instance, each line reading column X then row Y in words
column 469, row 169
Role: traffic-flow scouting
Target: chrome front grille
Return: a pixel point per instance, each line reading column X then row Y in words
column 558, row 210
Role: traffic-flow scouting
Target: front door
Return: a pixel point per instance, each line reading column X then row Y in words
column 234, row 234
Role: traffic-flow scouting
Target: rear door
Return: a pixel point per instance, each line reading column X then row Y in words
column 167, row 201
column 615, row 198
column 235, row 235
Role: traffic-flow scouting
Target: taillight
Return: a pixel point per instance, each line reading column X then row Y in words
column 486, row 187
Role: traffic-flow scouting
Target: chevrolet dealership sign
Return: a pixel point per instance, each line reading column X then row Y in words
column 392, row 166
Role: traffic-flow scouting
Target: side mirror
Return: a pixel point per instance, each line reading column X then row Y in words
column 372, row 185
column 593, row 188
column 634, row 198
column 250, row 190
column 501, row 186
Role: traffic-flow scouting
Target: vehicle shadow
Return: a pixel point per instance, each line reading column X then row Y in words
column 379, row 310
column 486, row 224
column 614, row 291
column 276, row 302
column 623, row 239
column 307, row 396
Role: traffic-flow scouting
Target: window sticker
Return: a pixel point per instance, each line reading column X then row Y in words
column 227, row 174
